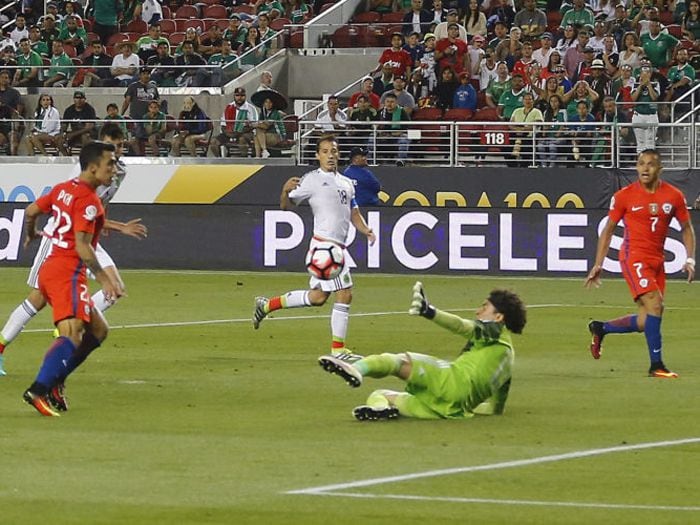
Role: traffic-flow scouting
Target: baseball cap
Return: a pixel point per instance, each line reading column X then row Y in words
column 478, row 38
column 239, row 91
column 50, row 15
column 463, row 74
column 400, row 77
column 452, row 24
column 145, row 69
column 358, row 151
column 597, row 64
column 366, row 78
column 235, row 16
column 588, row 49
column 79, row 94
column 547, row 35
column 427, row 36
column 452, row 12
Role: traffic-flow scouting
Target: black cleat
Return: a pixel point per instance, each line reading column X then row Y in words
column 597, row 333
column 57, row 397
column 367, row 413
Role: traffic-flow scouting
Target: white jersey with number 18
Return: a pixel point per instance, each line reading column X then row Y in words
column 331, row 197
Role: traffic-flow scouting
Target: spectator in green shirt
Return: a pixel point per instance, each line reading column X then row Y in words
column 235, row 32
column 147, row 45
column 498, row 85
column 512, row 99
column 113, row 115
column 226, row 67
column 61, row 69
column 272, row 8
column 107, row 14
column 658, row 46
column 155, row 127
column 73, row 35
column 36, row 43
column 579, row 15
column 49, row 31
column 30, row 63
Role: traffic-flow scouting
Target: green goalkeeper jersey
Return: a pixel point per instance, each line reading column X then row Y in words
column 477, row 382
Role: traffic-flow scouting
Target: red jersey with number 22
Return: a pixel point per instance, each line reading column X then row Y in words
column 647, row 217
column 74, row 207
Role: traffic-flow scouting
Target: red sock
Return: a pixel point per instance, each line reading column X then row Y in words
column 275, row 303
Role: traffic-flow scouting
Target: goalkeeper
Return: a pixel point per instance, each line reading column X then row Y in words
column 477, row 382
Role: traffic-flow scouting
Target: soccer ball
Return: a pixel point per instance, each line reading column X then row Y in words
column 325, row 260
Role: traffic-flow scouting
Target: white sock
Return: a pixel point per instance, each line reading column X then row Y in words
column 296, row 299
column 100, row 302
column 339, row 325
column 17, row 321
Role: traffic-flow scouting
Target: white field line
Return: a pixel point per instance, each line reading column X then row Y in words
column 335, row 489
column 492, row 466
column 325, row 316
column 490, row 501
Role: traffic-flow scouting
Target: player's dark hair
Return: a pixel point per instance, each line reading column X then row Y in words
column 111, row 130
column 325, row 138
column 92, row 153
column 511, row 307
column 651, row 151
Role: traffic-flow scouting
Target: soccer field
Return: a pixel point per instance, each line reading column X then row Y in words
column 188, row 415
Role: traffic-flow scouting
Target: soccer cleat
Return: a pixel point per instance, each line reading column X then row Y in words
column 55, row 334
column 336, row 366
column 2, row 370
column 40, row 403
column 347, row 356
column 367, row 413
column 259, row 313
column 57, row 397
column 596, row 329
column 661, row 371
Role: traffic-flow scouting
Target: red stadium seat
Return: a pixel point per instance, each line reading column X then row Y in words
column 393, row 18
column 345, row 36
column 187, row 11
column 296, row 39
column 196, row 23
column 167, row 26
column 486, row 115
column 427, row 114
column 675, row 30
column 458, row 115
column 70, row 50
column 368, row 17
column 245, row 8
column 136, row 26
column 117, row 38
column 167, row 15
column 215, row 11
column 87, row 25
column 278, row 23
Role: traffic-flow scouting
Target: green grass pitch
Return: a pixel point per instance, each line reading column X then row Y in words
column 175, row 420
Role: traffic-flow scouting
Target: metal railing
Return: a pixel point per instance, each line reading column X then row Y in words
column 540, row 144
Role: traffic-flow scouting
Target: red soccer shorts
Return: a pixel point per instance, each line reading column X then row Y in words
column 63, row 282
column 643, row 275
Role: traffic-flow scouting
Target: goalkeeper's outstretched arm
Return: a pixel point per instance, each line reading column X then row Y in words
column 421, row 306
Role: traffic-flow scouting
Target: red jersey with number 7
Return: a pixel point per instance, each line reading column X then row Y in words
column 647, row 217
column 74, row 207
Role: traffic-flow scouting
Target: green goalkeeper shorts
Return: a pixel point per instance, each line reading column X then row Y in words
column 435, row 389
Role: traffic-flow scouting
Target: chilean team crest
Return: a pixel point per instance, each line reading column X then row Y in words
column 667, row 207
column 653, row 208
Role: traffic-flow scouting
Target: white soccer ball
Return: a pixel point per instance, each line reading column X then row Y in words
column 325, row 260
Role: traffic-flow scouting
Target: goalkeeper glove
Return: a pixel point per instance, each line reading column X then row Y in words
column 419, row 303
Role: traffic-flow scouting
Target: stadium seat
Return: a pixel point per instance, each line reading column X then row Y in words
column 245, row 8
column 686, row 44
column 176, row 38
column 117, row 38
column 344, row 36
column 326, row 7
column 458, row 115
column 368, row 17
column 187, row 11
column 486, row 115
column 296, row 39
column 210, row 2
column 167, row 26
column 70, row 50
column 393, row 18
column 278, row 23
column 87, row 25
column 167, row 14
column 192, row 22
column 427, row 114
column 666, row 17
column 675, row 30
column 554, row 20
column 286, row 147
column 215, row 11
column 136, row 26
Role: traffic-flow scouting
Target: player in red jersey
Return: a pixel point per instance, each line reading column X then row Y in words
column 647, row 207
column 78, row 217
